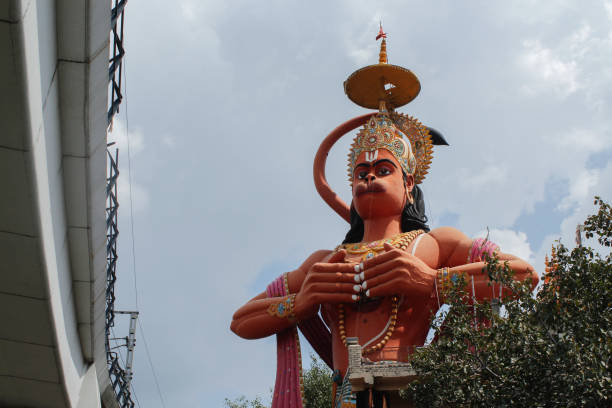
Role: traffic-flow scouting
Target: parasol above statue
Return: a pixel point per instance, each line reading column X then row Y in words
column 394, row 85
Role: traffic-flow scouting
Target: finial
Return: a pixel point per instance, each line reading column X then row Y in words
column 382, row 57
column 391, row 83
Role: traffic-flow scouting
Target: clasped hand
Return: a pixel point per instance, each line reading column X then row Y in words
column 394, row 272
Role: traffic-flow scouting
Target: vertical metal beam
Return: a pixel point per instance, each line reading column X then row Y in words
column 131, row 343
column 579, row 229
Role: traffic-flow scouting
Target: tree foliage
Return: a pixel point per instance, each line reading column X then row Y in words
column 317, row 384
column 549, row 349
column 243, row 402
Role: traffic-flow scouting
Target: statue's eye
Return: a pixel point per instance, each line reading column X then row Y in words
column 362, row 175
column 383, row 171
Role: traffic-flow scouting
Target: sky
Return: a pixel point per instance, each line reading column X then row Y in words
column 225, row 104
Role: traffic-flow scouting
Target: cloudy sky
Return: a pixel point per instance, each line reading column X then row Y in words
column 227, row 102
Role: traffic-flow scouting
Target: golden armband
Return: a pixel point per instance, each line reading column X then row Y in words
column 445, row 278
column 284, row 308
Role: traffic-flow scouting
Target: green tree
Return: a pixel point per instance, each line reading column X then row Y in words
column 317, row 384
column 242, row 402
column 317, row 389
column 549, row 349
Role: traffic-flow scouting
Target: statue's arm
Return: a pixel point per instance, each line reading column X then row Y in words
column 453, row 249
column 320, row 279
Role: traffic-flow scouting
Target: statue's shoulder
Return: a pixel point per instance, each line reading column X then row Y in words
column 453, row 245
column 297, row 276
column 447, row 235
column 320, row 255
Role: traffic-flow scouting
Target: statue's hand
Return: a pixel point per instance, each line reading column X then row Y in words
column 397, row 272
column 326, row 282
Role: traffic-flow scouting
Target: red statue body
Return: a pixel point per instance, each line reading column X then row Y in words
column 327, row 278
column 382, row 288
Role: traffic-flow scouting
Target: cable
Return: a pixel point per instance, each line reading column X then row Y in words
column 135, row 396
column 127, row 135
column 127, row 132
column 161, row 398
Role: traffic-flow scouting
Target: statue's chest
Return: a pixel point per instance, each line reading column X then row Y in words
column 362, row 319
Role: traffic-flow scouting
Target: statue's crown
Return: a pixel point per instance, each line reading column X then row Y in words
column 389, row 131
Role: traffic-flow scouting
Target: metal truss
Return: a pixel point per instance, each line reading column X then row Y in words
column 119, row 378
column 114, row 70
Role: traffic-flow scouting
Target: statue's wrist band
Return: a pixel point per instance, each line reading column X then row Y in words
column 284, row 308
column 445, row 277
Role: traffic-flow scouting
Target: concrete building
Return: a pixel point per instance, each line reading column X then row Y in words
column 54, row 115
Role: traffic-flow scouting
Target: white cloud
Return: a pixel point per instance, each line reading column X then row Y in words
column 608, row 8
column 123, row 139
column 580, row 204
column 595, row 182
column 137, row 193
column 584, row 140
column 362, row 48
column 548, row 69
column 483, row 177
column 535, row 11
column 130, row 144
column 576, row 62
column 188, row 10
column 365, row 55
column 169, row 141
column 582, row 187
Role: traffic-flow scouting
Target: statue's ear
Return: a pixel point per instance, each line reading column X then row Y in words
column 409, row 182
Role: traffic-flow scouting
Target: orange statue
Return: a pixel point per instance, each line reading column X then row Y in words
column 381, row 284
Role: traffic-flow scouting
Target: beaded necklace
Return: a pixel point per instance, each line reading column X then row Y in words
column 371, row 249
column 367, row 251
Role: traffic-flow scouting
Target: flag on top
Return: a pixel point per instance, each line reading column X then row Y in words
column 381, row 33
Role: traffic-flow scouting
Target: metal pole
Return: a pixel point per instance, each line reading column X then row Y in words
column 131, row 343
column 579, row 229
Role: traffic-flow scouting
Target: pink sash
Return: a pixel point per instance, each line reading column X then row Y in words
column 288, row 389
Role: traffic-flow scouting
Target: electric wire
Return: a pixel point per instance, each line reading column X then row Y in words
column 144, row 338
column 123, row 72
column 127, row 136
column 127, row 133
column 135, row 396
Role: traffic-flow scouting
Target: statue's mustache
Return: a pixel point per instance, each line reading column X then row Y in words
column 373, row 187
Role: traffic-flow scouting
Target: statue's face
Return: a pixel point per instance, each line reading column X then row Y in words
column 379, row 189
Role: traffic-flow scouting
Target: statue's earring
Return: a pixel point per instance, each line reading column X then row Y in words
column 409, row 197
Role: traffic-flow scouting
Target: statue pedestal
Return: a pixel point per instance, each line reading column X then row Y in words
column 380, row 376
column 387, row 376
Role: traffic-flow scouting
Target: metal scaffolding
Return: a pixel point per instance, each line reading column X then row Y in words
column 116, row 60
column 120, row 377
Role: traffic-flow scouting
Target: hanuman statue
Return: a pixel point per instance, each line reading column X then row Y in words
column 380, row 286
